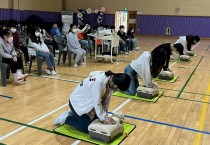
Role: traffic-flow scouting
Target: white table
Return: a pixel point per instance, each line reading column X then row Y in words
column 114, row 44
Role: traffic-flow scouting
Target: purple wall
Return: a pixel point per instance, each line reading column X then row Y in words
column 22, row 15
column 180, row 25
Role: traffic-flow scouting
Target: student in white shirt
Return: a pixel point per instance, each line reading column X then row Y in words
column 187, row 42
column 90, row 99
column 147, row 65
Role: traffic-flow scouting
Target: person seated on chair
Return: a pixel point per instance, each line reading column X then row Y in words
column 187, row 42
column 175, row 50
column 55, row 30
column 124, row 39
column 12, row 26
column 148, row 66
column 38, row 47
column 74, row 46
column 9, row 55
column 90, row 99
column 130, row 35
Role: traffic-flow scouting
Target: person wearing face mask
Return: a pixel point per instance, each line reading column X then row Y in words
column 130, row 35
column 148, row 66
column 9, row 55
column 16, row 41
column 74, row 45
column 38, row 47
column 90, row 99
column 55, row 30
column 124, row 39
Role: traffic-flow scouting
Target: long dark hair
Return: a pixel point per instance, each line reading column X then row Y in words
column 4, row 32
column 33, row 37
column 159, row 57
column 120, row 79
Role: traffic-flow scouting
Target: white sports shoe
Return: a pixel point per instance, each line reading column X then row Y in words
column 130, row 51
column 48, row 72
column 126, row 53
column 53, row 72
column 75, row 65
column 61, row 119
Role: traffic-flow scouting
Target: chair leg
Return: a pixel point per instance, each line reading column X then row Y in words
column 39, row 65
column 64, row 57
column 30, row 65
column 69, row 58
column 59, row 58
column 4, row 74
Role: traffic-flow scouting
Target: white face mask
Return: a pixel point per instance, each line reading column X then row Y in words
column 175, row 55
column 10, row 39
column 37, row 34
column 132, row 31
column 122, row 30
column 74, row 30
column 13, row 30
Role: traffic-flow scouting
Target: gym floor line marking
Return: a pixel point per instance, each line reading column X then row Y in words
column 127, row 116
column 6, row 96
column 196, row 45
column 189, row 78
column 202, row 117
column 32, row 122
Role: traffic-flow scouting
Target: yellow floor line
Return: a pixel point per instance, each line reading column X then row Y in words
column 202, row 117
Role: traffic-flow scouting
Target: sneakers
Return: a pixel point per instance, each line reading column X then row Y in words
column 83, row 63
column 48, row 72
column 61, row 119
column 126, row 53
column 22, row 77
column 129, row 51
column 53, row 72
column 75, row 65
column 55, row 58
column 137, row 48
column 56, row 51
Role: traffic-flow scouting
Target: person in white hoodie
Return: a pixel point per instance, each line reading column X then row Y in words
column 37, row 46
column 91, row 98
column 9, row 55
column 186, row 42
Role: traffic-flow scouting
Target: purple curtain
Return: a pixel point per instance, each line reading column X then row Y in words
column 22, row 15
column 179, row 25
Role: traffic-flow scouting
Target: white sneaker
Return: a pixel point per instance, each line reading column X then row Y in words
column 61, row 119
column 75, row 65
column 56, row 51
column 48, row 72
column 126, row 53
column 83, row 63
column 55, row 58
column 53, row 72
column 137, row 48
column 130, row 51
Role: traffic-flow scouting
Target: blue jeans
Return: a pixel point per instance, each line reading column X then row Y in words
column 81, row 123
column 134, row 81
column 49, row 58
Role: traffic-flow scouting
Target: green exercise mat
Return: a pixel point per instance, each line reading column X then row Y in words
column 171, row 81
column 120, row 94
column 72, row 132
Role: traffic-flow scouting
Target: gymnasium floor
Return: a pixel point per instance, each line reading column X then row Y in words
column 180, row 117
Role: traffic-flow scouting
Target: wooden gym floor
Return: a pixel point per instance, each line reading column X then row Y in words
column 181, row 116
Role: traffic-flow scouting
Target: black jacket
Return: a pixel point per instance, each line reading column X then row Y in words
column 122, row 35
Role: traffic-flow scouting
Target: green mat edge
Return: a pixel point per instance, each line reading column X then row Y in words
column 90, row 141
column 161, row 93
column 170, row 81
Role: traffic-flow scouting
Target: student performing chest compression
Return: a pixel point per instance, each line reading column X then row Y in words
column 90, row 99
column 148, row 66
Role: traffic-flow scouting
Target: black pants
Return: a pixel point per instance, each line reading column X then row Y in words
column 25, row 52
column 12, row 64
